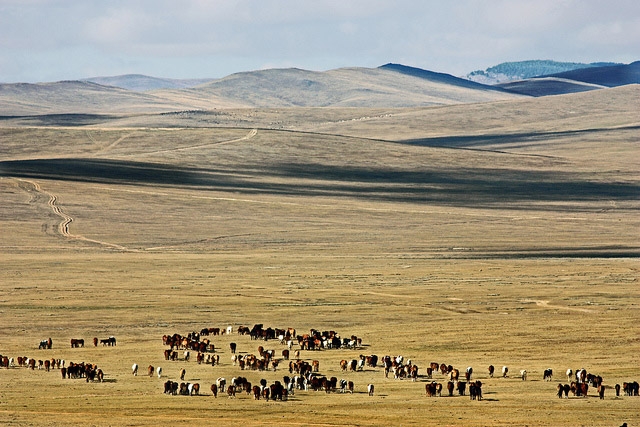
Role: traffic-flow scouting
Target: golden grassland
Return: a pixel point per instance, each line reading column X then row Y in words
column 511, row 248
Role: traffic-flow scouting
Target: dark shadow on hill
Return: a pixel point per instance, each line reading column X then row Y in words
column 545, row 87
column 611, row 76
column 478, row 141
column 61, row 119
column 438, row 77
column 474, row 187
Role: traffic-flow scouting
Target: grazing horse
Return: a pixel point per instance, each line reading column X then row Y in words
column 159, row 371
column 505, row 371
column 584, row 388
column 491, row 369
column 475, row 390
column 434, row 366
column 601, row 388
column 468, row 373
column 214, row 390
column 221, row 383
column 523, row 374
column 150, row 370
column 430, row 389
column 548, row 374
column 450, row 387
column 350, row 387
column 134, row 369
column 46, row 344
column 182, row 374
column 462, row 388
column 111, row 341
column 95, row 341
column 231, row 391
column 370, row 389
column 569, row 374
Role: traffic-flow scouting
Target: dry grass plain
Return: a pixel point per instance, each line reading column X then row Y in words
column 442, row 234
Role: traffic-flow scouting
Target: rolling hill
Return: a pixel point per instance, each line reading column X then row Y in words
column 388, row 86
column 610, row 76
column 344, row 87
column 76, row 97
column 274, row 88
column 578, row 80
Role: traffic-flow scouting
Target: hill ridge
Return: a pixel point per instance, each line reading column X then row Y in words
column 285, row 87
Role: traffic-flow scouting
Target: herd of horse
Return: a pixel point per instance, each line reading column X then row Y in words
column 311, row 379
column 305, row 375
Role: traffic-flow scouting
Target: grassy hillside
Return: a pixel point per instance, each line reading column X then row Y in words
column 354, row 87
column 76, row 97
column 347, row 87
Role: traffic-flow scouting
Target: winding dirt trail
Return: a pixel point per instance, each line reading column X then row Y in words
column 113, row 144
column 63, row 227
column 545, row 304
column 251, row 134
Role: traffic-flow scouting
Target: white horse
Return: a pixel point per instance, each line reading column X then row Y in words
column 134, row 369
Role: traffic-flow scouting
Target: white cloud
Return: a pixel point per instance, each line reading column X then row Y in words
column 218, row 36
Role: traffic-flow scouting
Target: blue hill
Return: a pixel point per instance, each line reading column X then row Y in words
column 611, row 76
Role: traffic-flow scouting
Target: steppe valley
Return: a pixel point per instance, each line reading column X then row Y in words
column 483, row 229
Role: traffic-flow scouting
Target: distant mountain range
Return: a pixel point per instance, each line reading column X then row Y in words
column 387, row 86
column 384, row 87
column 521, row 70
column 499, row 74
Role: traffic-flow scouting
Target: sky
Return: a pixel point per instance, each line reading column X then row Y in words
column 52, row 40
